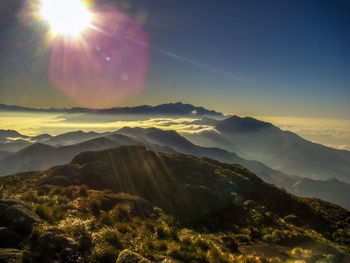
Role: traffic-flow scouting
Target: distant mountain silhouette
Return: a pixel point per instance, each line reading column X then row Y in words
column 281, row 150
column 332, row 190
column 170, row 109
column 242, row 125
column 11, row 134
column 71, row 138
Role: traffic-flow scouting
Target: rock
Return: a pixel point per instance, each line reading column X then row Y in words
column 8, row 238
column 55, row 245
column 4, row 204
column 127, row 256
column 3, row 208
column 21, row 219
column 57, row 181
column 10, row 202
column 138, row 206
column 11, row 255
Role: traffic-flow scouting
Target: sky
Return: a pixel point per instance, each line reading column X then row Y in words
column 245, row 57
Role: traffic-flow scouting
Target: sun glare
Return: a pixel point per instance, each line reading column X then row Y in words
column 65, row 17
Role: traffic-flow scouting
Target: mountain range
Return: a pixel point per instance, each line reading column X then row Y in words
column 167, row 207
column 171, row 109
column 48, row 151
column 278, row 157
column 240, row 189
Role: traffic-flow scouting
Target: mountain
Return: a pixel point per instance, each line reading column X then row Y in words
column 11, row 134
column 13, row 145
column 39, row 156
column 169, row 109
column 166, row 208
column 175, row 141
column 281, row 150
column 71, row 138
column 332, row 190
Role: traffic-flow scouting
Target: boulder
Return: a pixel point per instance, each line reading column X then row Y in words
column 57, row 181
column 127, row 256
column 9, row 202
column 8, row 238
column 21, row 219
column 3, row 208
column 138, row 206
column 54, row 244
column 11, row 255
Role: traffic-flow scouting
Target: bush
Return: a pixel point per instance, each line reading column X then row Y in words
column 82, row 191
column 105, row 219
column 43, row 211
column 121, row 213
column 94, row 207
column 202, row 244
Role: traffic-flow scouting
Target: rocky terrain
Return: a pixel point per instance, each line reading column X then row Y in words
column 130, row 204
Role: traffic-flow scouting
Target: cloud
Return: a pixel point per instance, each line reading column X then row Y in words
column 334, row 133
column 33, row 124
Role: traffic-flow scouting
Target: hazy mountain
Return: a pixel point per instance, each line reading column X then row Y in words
column 168, row 206
column 170, row 109
column 4, row 154
column 11, row 134
column 41, row 138
column 282, row 150
column 13, row 145
column 289, row 182
column 331, row 190
column 40, row 156
column 71, row 138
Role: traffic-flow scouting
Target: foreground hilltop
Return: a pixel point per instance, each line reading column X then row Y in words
column 164, row 207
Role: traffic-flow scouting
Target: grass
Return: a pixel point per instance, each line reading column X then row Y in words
column 101, row 234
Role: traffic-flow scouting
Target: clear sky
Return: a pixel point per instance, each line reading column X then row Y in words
column 247, row 57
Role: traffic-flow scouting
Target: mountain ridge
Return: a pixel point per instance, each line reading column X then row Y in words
column 177, row 108
column 152, row 201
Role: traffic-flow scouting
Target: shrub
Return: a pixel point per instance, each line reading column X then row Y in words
column 109, row 236
column 68, row 192
column 105, row 219
column 104, row 254
column 43, row 211
column 82, row 191
column 202, row 244
column 80, row 230
column 94, row 207
column 121, row 213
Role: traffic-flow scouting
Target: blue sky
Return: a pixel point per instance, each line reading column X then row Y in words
column 248, row 57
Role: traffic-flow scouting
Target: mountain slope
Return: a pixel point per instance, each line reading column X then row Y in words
column 166, row 207
column 42, row 156
column 282, row 150
column 35, row 158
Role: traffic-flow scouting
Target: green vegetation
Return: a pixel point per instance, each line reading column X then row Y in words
column 249, row 221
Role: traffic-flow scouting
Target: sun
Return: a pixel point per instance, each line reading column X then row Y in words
column 65, row 17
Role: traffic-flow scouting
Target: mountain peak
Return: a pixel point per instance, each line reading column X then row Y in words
column 245, row 124
column 11, row 134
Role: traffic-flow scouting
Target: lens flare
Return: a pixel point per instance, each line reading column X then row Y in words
column 65, row 17
column 105, row 66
